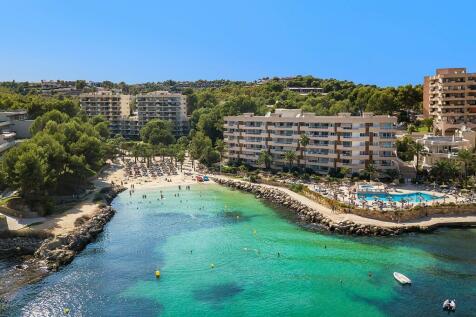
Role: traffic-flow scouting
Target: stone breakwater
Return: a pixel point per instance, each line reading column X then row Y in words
column 311, row 215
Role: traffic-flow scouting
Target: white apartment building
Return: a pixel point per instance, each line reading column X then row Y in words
column 163, row 105
column 335, row 141
column 14, row 125
column 114, row 106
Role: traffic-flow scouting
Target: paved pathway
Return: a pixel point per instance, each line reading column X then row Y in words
column 430, row 221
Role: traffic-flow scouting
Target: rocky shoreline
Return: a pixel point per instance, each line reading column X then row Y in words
column 61, row 250
column 42, row 256
column 313, row 216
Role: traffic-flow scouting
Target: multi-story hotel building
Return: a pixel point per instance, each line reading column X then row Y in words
column 165, row 106
column 112, row 105
column 450, row 98
column 335, row 141
column 116, row 108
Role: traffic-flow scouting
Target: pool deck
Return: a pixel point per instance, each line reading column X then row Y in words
column 433, row 221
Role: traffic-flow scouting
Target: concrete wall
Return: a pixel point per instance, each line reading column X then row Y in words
column 22, row 128
column 3, row 223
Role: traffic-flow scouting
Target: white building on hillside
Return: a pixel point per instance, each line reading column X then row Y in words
column 14, row 126
column 438, row 147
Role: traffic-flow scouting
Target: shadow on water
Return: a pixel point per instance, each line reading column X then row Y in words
column 217, row 294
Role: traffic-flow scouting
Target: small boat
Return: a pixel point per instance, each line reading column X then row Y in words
column 402, row 279
column 449, row 305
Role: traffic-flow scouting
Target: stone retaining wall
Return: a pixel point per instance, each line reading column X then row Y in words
column 402, row 215
column 311, row 215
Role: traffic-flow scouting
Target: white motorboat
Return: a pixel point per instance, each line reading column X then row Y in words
column 449, row 305
column 402, row 279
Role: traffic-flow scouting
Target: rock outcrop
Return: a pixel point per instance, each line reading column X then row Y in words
column 61, row 250
column 311, row 215
column 11, row 245
column 3, row 224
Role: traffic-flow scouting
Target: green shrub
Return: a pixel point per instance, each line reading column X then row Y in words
column 297, row 188
column 228, row 169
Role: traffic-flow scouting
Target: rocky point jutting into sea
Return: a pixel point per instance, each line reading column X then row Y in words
column 42, row 252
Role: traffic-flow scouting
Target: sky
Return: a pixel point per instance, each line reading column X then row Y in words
column 386, row 43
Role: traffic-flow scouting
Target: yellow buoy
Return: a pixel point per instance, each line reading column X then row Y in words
column 65, row 310
column 157, row 274
column 212, row 266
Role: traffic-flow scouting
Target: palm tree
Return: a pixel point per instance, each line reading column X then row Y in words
column 163, row 152
column 411, row 128
column 136, row 151
column 148, row 152
column 417, row 149
column 303, row 142
column 370, row 170
column 444, row 170
column 243, row 169
column 290, row 156
column 172, row 151
column 180, row 156
column 194, row 155
column 428, row 123
column 220, row 146
column 466, row 157
column 344, row 171
column 265, row 158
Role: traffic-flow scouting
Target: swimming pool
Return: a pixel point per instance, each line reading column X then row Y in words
column 409, row 197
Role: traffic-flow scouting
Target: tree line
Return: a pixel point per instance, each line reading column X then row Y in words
column 59, row 159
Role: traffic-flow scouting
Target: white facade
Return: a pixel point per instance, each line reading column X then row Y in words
column 14, row 125
column 116, row 108
column 438, row 147
column 165, row 106
column 335, row 141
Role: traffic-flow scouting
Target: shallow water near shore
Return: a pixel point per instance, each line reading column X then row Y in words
column 224, row 253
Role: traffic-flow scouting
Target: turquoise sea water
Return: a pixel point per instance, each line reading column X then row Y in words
column 412, row 197
column 217, row 250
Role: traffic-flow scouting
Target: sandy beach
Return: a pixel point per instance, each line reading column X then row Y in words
column 115, row 174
